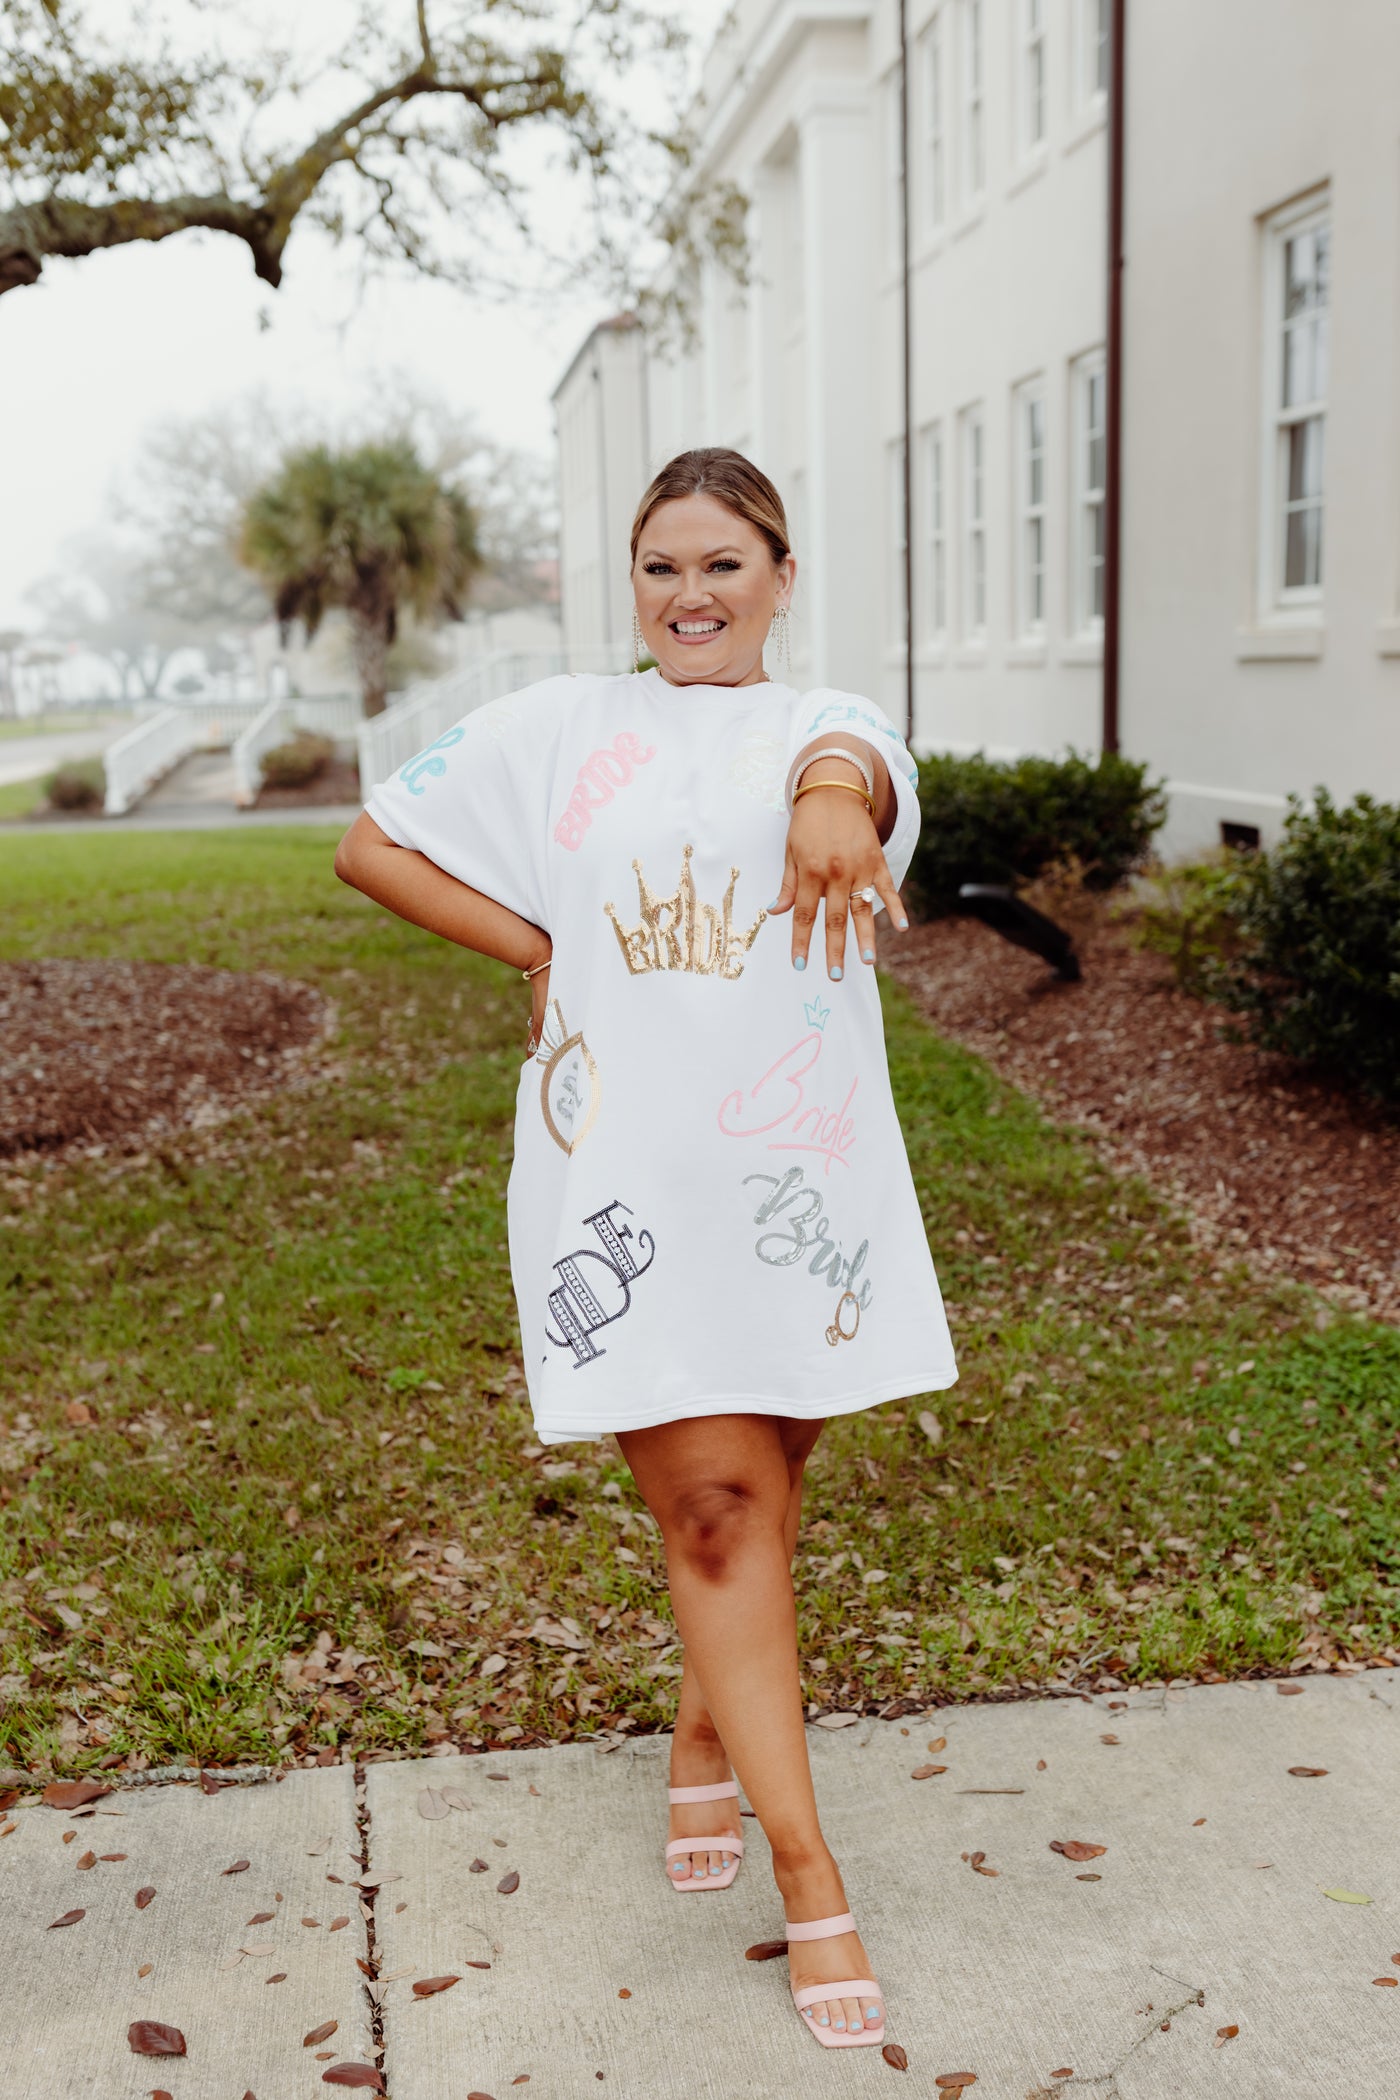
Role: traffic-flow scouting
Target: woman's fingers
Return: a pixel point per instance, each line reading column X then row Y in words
column 804, row 915
column 837, row 913
column 883, row 882
column 787, row 889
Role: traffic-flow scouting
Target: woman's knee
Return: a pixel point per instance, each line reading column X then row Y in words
column 712, row 1524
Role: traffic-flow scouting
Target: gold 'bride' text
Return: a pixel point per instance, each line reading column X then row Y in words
column 679, row 933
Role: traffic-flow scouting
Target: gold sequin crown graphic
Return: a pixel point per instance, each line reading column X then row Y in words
column 680, row 933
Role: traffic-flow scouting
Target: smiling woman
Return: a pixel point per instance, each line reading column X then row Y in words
column 715, row 1245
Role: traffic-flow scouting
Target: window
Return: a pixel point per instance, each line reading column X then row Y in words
column 1030, row 511
column 973, row 480
column 1297, row 271
column 898, row 543
column 894, row 177
column 935, row 532
column 1090, row 464
column 973, row 129
column 1030, row 84
column 935, row 159
column 1091, row 53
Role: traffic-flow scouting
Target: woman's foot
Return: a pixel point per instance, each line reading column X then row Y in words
column 813, row 1890
column 698, row 1759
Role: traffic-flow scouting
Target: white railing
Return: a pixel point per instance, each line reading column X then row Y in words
column 137, row 760
column 332, row 714
column 420, row 715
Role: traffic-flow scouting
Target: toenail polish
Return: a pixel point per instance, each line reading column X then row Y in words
column 823, row 2021
column 717, row 1870
column 856, row 2027
column 872, row 2012
column 840, row 2027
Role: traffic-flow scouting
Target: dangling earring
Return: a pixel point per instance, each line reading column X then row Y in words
column 636, row 641
column 782, row 637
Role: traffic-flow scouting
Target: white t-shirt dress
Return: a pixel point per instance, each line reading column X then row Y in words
column 710, row 1208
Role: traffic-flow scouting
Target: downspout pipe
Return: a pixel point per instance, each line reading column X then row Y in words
column 907, row 365
column 1113, row 436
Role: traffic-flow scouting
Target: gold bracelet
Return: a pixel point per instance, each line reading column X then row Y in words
column 538, row 967
column 844, row 785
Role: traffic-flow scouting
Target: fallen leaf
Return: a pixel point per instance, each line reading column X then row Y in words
column 940, row 1742
column 259, row 1947
column 322, row 2033
column 240, row 1866
column 145, row 1968
column 311, row 1921
column 154, row 2038
column 365, row 1968
column 159, row 2093
column 836, row 1720
column 1289, row 1691
column 337, row 1924
column 1387, row 1983
column 501, row 1778
column 322, row 1845
column 431, row 1805
column 766, row 1950
column 476, row 1964
column 363, row 2075
column 262, row 1917
column 932, row 1428
column 280, row 1977
column 1108, row 1738
column 954, row 2081
column 508, row 1883
column 624, row 1992
column 478, row 1866
column 926, row 1771
column 478, row 2096
column 143, row 1897
column 1224, row 2035
column 1198, row 1822
column 539, row 1797
column 1307, row 1771
column 73, row 1793
column 234, row 1959
column 1041, row 1765
column 454, row 1797
column 431, row 1985
column 337, row 1879
column 1075, row 1848
column 68, row 1836
column 499, row 1841
column 1065, row 2071
column 89, row 1859
column 112, row 1855
column 895, row 2057
column 1088, row 1877
column 70, row 1917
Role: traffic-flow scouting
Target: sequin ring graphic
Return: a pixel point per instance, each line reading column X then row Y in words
column 586, row 1300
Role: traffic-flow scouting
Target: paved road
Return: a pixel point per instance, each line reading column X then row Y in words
column 1206, row 1949
column 193, row 816
column 26, row 757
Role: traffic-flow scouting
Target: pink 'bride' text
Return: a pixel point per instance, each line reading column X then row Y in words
column 599, row 778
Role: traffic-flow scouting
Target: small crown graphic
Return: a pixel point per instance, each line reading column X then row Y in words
column 817, row 1014
column 680, row 933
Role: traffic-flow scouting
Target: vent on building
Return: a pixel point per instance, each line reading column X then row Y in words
column 1245, row 837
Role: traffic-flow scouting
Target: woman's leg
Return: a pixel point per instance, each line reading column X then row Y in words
column 698, row 1756
column 720, row 1489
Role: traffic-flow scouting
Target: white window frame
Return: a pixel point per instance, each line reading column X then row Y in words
column 1277, row 598
column 1030, row 511
column 972, row 523
column 1031, row 88
column 972, row 101
column 933, row 509
column 1088, row 379
column 933, row 108
column 894, row 496
column 1091, row 61
column 894, row 181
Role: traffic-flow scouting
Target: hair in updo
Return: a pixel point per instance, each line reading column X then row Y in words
column 713, row 470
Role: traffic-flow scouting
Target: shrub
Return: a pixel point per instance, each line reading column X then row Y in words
column 298, row 763
column 1190, row 914
column 78, row 784
column 988, row 821
column 1318, row 970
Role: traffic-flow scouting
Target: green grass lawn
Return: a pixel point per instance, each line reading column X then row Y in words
column 307, row 1509
column 18, row 797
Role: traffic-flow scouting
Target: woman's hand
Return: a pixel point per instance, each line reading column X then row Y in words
column 833, row 852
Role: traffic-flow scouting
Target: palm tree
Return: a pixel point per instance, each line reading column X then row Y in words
column 371, row 530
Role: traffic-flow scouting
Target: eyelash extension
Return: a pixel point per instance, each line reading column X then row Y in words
column 664, row 568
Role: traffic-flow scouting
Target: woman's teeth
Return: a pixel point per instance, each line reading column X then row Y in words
column 697, row 627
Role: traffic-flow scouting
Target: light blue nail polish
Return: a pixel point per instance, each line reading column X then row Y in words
column 823, row 2021
column 856, row 2027
column 902, row 924
column 872, row 2012
column 867, row 955
column 717, row 1870
column 840, row 2027
column 775, row 903
column 835, row 970
column 799, row 962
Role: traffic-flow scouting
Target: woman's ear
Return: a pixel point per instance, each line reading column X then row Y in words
column 786, row 579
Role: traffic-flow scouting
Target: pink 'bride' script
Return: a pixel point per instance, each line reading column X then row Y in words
column 779, row 1103
column 599, row 778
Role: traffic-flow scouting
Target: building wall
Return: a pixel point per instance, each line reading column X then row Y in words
column 600, row 422
column 1221, row 693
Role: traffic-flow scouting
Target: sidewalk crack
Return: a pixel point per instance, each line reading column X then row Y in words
column 374, row 1989
column 1106, row 2082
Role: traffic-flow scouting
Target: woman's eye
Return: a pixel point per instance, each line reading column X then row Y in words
column 725, row 563
column 657, row 568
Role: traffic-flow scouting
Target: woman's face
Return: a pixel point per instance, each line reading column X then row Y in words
column 707, row 587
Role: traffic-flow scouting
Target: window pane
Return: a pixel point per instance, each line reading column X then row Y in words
column 1302, row 565
column 1305, row 459
column 1100, row 66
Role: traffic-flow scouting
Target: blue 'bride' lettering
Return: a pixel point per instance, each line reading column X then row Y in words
column 429, row 764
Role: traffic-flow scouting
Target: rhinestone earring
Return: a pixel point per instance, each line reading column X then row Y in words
column 781, row 633
column 636, row 641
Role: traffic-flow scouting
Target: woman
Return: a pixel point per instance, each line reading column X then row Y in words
column 714, row 1237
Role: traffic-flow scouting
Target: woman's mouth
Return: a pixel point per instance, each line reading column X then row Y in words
column 696, row 632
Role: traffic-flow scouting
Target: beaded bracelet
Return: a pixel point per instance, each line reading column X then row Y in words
column 862, row 765
column 844, row 785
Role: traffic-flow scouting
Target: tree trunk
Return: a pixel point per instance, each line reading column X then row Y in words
column 369, row 631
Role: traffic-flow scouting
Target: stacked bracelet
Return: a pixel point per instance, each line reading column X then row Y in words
column 844, row 785
column 862, row 765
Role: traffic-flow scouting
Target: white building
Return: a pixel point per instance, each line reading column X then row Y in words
column 1259, row 584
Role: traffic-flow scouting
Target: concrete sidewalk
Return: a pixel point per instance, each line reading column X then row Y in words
column 1213, row 1906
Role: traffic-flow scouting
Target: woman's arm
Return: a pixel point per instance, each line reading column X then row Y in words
column 416, row 889
column 834, row 851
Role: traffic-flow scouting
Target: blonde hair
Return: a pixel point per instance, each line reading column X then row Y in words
column 713, row 470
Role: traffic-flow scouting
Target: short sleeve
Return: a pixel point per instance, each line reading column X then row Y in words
column 853, row 715
column 475, row 800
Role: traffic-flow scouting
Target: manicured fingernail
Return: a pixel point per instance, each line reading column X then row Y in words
column 836, row 969
column 799, row 962
column 867, row 955
column 902, row 924
column 775, row 903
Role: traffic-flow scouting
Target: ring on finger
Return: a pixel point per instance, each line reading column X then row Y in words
column 868, row 894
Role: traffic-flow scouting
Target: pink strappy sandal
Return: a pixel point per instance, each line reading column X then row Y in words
column 851, row 1987
column 726, row 1790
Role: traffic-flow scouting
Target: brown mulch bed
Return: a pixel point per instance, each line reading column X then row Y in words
column 101, row 1054
column 1298, row 1176
column 340, row 782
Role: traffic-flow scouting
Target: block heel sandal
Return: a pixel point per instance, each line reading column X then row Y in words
column 726, row 1790
column 864, row 1987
